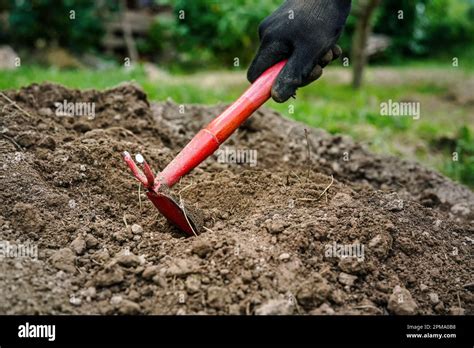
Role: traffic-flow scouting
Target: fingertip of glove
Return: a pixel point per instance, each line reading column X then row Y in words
column 337, row 51
column 316, row 73
column 280, row 96
column 327, row 58
column 251, row 75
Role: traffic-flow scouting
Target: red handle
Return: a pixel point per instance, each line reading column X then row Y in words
column 208, row 140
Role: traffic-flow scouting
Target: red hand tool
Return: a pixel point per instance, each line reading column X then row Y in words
column 204, row 144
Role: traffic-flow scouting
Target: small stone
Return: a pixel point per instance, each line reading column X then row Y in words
column 347, row 279
column 75, row 301
column 45, row 112
column 18, row 265
column 91, row 241
column 78, row 245
column 193, row 284
column 64, row 259
column 115, row 300
column 89, row 293
column 137, row 229
column 434, row 298
column 201, row 248
column 284, row 257
column 401, row 302
column 150, row 272
column 127, row 307
column 275, row 307
column 336, row 167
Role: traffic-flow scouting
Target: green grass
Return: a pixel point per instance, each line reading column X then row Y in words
column 332, row 106
column 89, row 79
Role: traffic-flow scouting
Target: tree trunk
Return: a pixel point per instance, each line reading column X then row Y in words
column 362, row 33
column 128, row 35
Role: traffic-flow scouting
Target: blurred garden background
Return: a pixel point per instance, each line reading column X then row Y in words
column 197, row 51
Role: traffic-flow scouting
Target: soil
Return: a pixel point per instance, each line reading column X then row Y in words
column 272, row 230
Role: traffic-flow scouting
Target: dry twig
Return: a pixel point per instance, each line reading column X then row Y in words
column 322, row 193
column 186, row 215
column 15, row 105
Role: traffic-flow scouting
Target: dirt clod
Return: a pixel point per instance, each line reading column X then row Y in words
column 150, row 272
column 201, row 248
column 78, row 245
column 64, row 259
column 401, row 302
column 381, row 244
column 313, row 292
column 193, row 284
column 127, row 259
column 111, row 275
column 347, row 279
column 128, row 307
column 217, row 297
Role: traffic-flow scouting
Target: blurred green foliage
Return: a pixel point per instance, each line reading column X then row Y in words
column 428, row 28
column 32, row 22
column 462, row 167
column 400, row 20
column 447, row 26
column 213, row 31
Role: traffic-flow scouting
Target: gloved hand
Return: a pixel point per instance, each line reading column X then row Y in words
column 305, row 32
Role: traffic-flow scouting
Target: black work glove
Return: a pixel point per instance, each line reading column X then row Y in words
column 308, row 40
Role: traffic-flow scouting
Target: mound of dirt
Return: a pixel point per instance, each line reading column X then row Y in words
column 281, row 237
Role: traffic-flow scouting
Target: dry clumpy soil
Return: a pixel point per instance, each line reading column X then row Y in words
column 102, row 250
